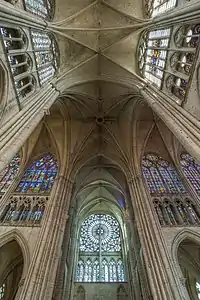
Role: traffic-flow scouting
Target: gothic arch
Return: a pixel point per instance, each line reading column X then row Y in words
column 180, row 237
column 17, row 236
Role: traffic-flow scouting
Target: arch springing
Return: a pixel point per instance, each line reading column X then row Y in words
column 191, row 170
column 40, row 176
column 9, row 173
column 161, row 177
column 100, row 251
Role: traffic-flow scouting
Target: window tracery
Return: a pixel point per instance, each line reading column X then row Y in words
column 40, row 176
column 40, row 8
column 160, row 176
column 177, row 211
column 191, row 170
column 177, row 86
column 9, row 173
column 45, row 54
column 15, row 42
column 188, row 36
column 100, row 257
column 153, row 54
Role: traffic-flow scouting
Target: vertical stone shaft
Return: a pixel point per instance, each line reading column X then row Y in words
column 163, row 282
column 40, row 280
column 183, row 125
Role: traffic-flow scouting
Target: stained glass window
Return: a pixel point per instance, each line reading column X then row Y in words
column 8, row 174
column 40, row 176
column 187, row 36
column 191, row 169
column 2, row 291
column 15, row 43
column 153, row 54
column 40, row 8
column 45, row 55
column 162, row 6
column 100, row 252
column 161, row 177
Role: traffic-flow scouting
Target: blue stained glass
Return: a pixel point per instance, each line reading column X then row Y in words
column 8, row 174
column 40, row 176
column 191, row 170
column 160, row 176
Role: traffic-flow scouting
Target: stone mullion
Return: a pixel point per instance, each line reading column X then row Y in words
column 163, row 281
column 40, row 280
column 185, row 127
column 13, row 15
column 14, row 133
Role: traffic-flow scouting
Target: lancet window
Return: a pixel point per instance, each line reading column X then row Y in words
column 40, row 176
column 177, row 211
column 45, row 54
column 15, row 43
column 40, row 8
column 191, row 170
column 161, row 177
column 153, row 55
column 100, row 250
column 9, row 173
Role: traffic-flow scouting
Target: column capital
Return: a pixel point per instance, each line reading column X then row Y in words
column 135, row 177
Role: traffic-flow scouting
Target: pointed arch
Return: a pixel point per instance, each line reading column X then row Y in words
column 80, row 293
column 17, row 236
column 160, row 176
column 39, row 177
column 191, row 170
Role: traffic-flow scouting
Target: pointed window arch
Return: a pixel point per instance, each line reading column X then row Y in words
column 9, row 173
column 40, row 176
column 191, row 170
column 161, row 177
column 80, row 293
column 100, row 250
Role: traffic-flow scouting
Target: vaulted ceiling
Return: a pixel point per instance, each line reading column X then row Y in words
column 100, row 119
